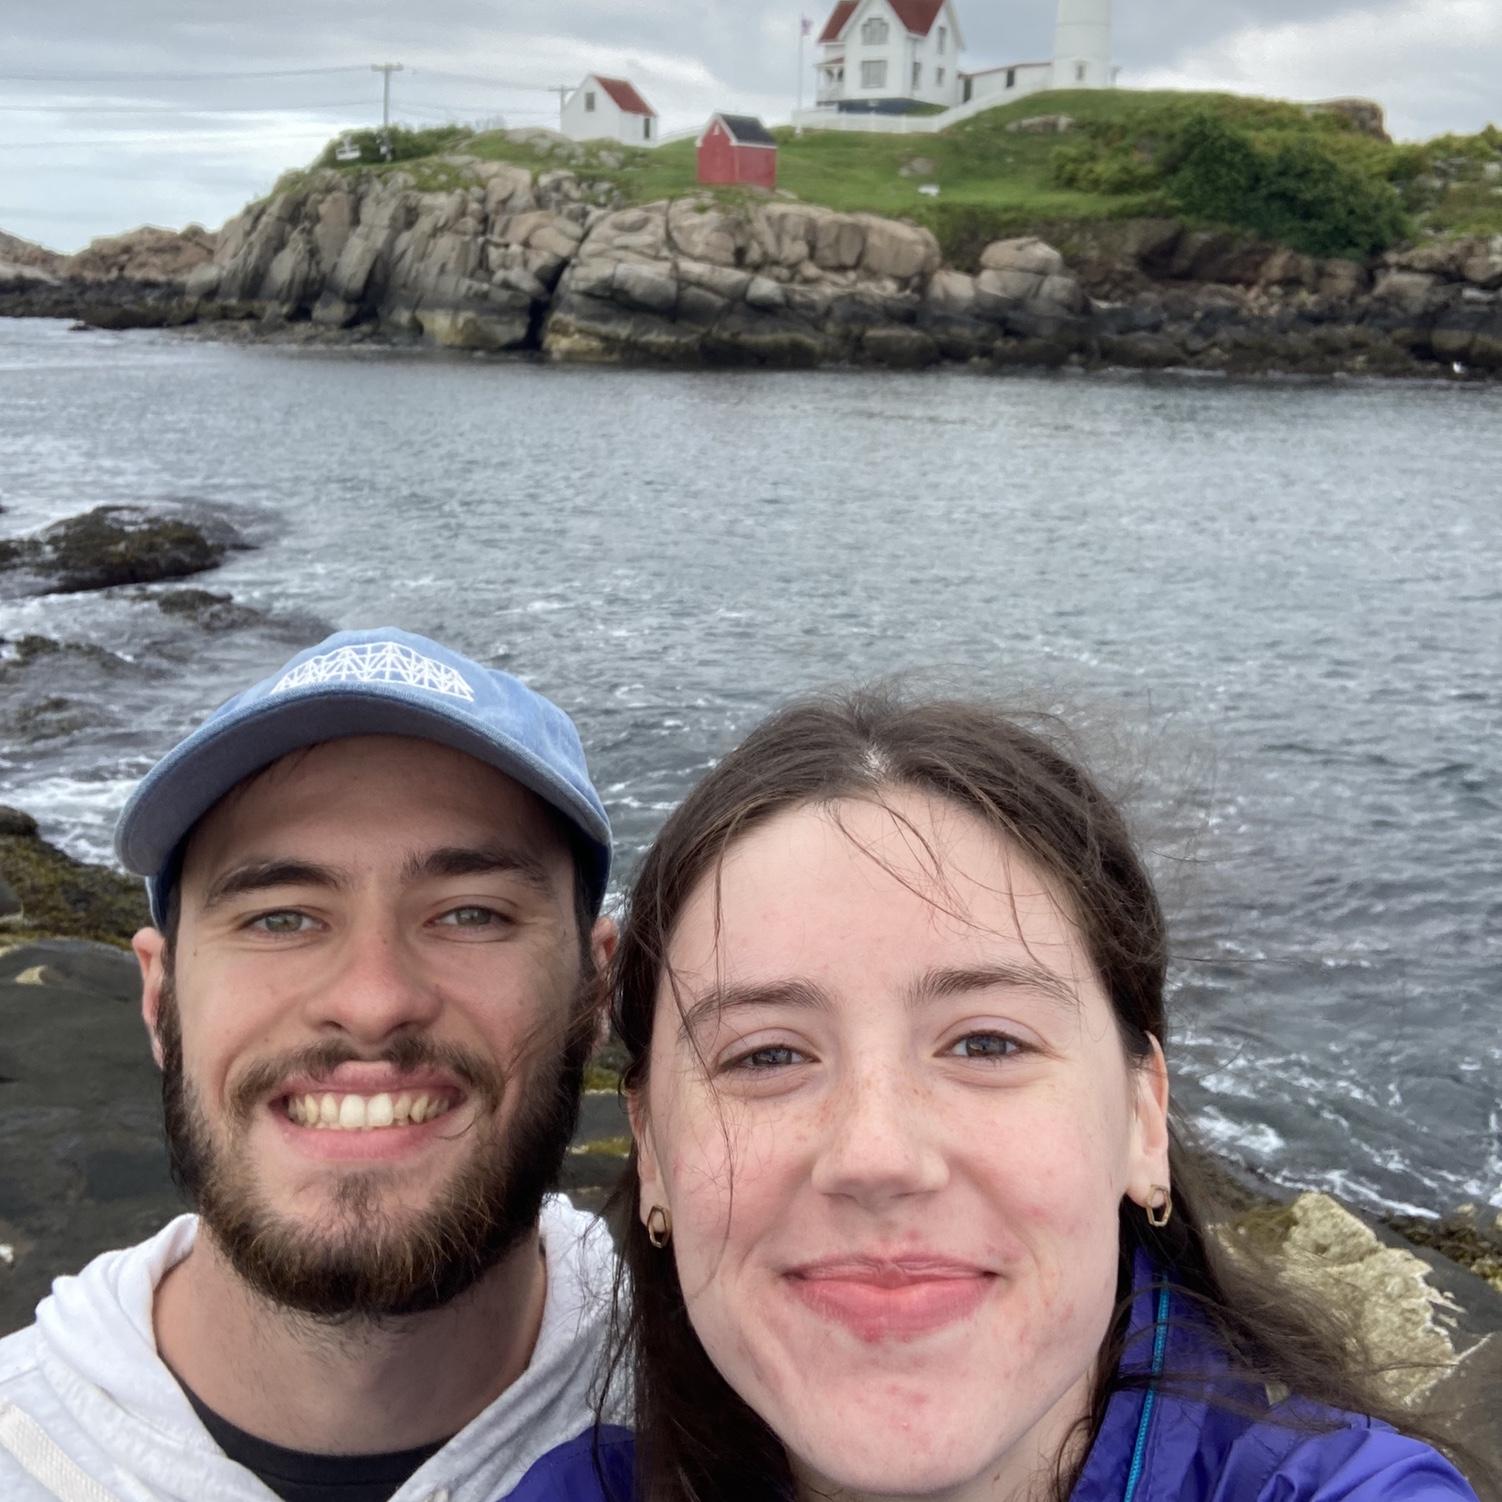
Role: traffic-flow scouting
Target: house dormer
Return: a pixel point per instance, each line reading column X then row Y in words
column 885, row 56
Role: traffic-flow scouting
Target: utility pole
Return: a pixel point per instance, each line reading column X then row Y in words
column 562, row 94
column 387, row 69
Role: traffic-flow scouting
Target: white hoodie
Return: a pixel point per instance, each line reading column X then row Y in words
column 89, row 1413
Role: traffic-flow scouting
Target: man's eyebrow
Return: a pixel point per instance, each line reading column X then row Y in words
column 261, row 876
column 718, row 1001
column 934, row 984
column 478, row 860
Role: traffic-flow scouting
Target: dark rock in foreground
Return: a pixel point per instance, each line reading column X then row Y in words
column 114, row 545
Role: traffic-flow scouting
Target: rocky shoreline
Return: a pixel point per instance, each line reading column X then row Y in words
column 551, row 264
column 82, row 1166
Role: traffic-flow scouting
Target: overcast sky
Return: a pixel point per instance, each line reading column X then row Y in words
column 115, row 114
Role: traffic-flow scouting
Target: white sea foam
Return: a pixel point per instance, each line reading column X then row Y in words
column 78, row 816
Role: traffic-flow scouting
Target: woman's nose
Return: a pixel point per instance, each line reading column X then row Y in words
column 879, row 1139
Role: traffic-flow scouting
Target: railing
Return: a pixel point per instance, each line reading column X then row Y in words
column 903, row 125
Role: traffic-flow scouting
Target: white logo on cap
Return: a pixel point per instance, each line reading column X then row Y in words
column 377, row 662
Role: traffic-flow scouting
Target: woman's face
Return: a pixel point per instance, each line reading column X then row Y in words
column 893, row 1123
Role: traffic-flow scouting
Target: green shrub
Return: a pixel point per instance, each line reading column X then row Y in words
column 404, row 145
column 1096, row 166
column 1301, row 189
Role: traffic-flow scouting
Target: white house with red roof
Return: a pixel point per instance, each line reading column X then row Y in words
column 883, row 56
column 609, row 109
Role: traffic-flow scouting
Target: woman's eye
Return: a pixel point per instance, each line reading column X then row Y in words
column 287, row 922
column 985, row 1046
column 472, row 917
column 773, row 1056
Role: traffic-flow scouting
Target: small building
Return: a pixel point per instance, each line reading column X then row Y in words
column 609, row 109
column 738, row 149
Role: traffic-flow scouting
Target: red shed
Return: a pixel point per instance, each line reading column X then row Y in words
column 737, row 149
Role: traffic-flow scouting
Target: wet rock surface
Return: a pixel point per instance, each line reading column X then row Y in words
column 114, row 545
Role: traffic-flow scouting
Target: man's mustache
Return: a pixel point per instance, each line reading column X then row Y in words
column 406, row 1053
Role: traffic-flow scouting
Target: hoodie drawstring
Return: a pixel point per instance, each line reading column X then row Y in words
column 44, row 1460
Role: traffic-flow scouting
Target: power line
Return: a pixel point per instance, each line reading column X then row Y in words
column 172, row 140
column 173, row 77
column 178, row 109
column 487, row 83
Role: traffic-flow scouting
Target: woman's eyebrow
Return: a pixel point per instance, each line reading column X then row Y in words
column 719, row 1000
column 933, row 984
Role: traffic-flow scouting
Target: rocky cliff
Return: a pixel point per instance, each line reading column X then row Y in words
column 508, row 259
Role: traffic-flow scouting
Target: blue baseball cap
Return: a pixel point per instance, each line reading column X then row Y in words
column 379, row 682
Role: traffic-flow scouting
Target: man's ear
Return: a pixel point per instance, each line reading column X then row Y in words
column 1149, row 1167
column 648, row 1170
column 151, row 954
column 603, row 938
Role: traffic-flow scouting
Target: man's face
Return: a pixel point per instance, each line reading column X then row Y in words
column 372, row 1023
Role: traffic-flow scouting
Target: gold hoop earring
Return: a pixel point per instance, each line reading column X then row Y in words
column 1160, row 1207
column 659, row 1226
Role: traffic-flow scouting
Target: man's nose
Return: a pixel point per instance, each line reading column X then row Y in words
column 879, row 1140
column 375, row 988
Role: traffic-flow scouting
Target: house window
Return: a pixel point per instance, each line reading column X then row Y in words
column 1079, row 72
column 874, row 75
column 939, row 78
column 917, row 77
column 1011, row 78
column 875, row 32
column 589, row 104
column 646, row 130
column 943, row 38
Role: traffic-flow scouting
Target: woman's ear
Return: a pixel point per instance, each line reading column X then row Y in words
column 648, row 1172
column 1148, row 1170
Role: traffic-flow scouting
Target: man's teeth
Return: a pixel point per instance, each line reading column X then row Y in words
column 361, row 1113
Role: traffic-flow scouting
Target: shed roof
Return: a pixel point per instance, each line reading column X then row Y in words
column 917, row 15
column 746, row 130
column 624, row 94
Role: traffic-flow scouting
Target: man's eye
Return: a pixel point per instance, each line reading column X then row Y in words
column 472, row 917
column 283, row 922
column 984, row 1046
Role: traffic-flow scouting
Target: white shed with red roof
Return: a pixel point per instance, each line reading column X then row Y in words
column 609, row 109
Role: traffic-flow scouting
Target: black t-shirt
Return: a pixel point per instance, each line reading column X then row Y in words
column 296, row 1476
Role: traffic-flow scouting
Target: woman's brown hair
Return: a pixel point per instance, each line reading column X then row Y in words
column 696, row 1440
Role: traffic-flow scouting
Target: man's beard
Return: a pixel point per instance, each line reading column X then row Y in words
column 377, row 1264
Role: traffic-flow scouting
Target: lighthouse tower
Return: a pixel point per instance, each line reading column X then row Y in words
column 1082, row 46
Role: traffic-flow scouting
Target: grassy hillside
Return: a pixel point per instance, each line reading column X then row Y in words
column 1311, row 179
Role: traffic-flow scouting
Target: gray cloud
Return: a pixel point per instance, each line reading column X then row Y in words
column 101, row 145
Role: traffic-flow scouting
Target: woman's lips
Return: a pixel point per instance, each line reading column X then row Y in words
column 900, row 1300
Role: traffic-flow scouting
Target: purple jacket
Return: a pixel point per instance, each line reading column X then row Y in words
column 1155, row 1445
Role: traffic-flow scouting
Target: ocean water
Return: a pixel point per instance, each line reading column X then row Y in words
column 1274, row 610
